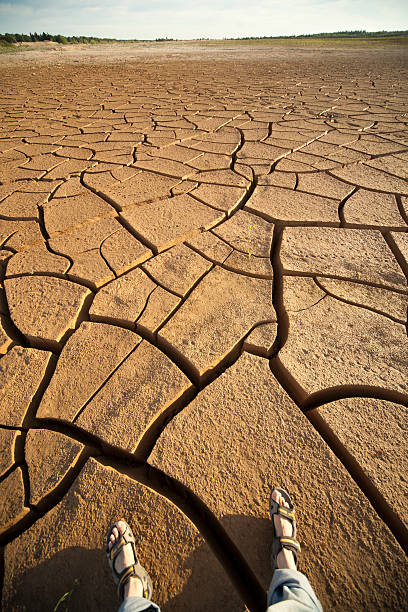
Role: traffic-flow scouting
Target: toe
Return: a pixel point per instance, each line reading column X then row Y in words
column 115, row 533
column 121, row 526
column 111, row 541
column 278, row 498
column 282, row 501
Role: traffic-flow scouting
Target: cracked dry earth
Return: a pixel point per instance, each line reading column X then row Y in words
column 204, row 271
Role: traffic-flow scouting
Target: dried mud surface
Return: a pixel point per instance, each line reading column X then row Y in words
column 203, row 294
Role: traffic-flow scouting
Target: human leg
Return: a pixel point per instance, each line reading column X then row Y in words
column 290, row 590
column 138, row 604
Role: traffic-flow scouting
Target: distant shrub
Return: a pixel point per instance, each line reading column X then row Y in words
column 9, row 38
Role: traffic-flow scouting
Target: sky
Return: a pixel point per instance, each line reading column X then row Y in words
column 189, row 19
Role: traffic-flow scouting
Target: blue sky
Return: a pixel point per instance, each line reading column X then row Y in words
column 188, row 19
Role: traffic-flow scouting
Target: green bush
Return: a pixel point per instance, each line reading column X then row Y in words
column 60, row 39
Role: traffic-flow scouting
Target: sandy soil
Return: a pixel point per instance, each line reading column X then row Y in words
column 203, row 293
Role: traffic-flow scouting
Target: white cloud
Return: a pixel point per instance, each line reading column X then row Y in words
column 204, row 18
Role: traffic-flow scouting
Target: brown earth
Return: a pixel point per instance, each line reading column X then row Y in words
column 203, row 294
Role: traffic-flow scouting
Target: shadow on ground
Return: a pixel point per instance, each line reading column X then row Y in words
column 86, row 573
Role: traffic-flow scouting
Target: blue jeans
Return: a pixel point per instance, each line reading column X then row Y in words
column 290, row 591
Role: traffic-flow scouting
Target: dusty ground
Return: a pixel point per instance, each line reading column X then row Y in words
column 204, row 262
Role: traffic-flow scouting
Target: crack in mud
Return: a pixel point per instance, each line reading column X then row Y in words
column 359, row 305
column 100, row 136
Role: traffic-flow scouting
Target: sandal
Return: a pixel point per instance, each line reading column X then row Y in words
column 281, row 542
column 121, row 578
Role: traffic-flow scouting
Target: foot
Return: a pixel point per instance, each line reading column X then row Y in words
column 283, row 527
column 134, row 586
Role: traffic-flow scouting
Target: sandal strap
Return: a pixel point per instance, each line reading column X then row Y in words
column 288, row 513
column 117, row 547
column 139, row 572
column 289, row 543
